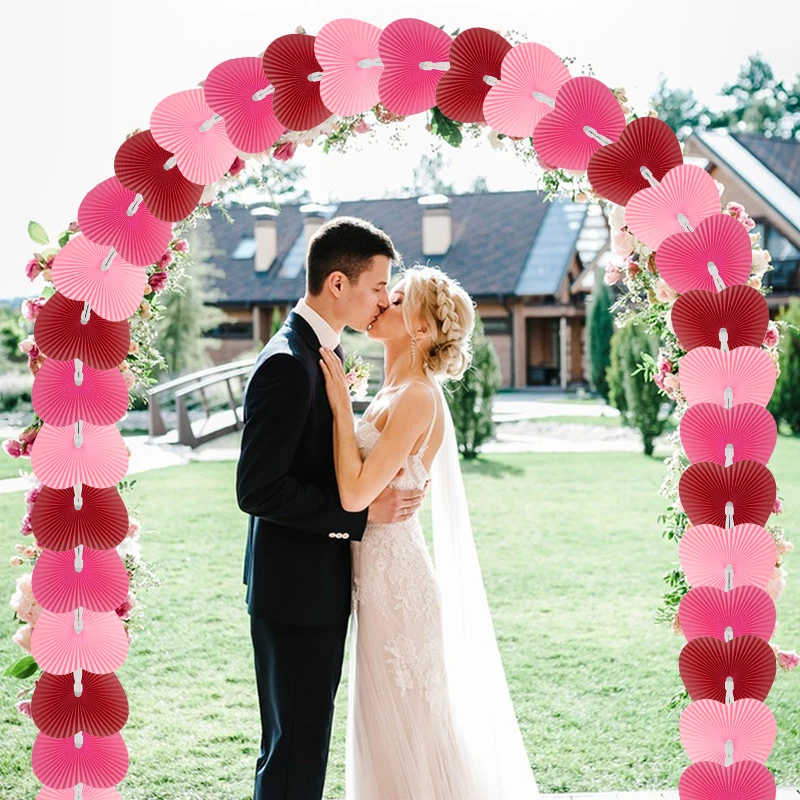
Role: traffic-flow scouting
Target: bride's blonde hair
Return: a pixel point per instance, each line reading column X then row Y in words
column 449, row 312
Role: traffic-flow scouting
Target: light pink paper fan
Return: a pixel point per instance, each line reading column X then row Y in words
column 706, row 611
column 100, row 761
column 89, row 793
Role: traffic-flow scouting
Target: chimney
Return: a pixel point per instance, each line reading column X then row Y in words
column 437, row 226
column 265, row 227
column 314, row 217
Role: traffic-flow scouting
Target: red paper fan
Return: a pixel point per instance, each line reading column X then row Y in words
column 705, row 489
column 101, row 709
column 410, row 49
column 705, row 611
column 87, row 793
column 744, row 780
column 707, row 430
column 142, row 165
column 706, row 663
column 101, row 761
column 288, row 62
column 110, row 214
column 101, row 522
column 686, row 191
column 585, row 110
column 239, row 91
column 615, row 171
column 60, row 334
column 474, row 54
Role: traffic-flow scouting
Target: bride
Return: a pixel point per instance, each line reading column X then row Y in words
column 429, row 712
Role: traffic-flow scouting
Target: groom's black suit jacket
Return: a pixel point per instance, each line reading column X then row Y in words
column 296, row 570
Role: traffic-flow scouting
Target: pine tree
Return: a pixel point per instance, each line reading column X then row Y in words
column 600, row 329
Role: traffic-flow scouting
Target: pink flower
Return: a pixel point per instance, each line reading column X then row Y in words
column 622, row 243
column 32, row 269
column 165, row 261
column 777, row 508
column 361, row 126
column 236, row 167
column 73, row 227
column 130, row 379
column 28, row 346
column 736, row 210
column 24, row 707
column 30, row 497
column 784, row 547
column 664, row 364
column 124, row 611
column 754, row 282
column 15, row 561
column 157, row 281
column 658, row 379
column 181, row 246
column 29, row 435
column 23, row 601
column 285, row 151
column 788, row 660
column 772, row 336
column 664, row 292
column 25, row 527
column 777, row 583
column 35, row 362
column 31, row 308
column 612, row 274
column 23, row 637
column 13, row 447
column 134, row 526
column 671, row 383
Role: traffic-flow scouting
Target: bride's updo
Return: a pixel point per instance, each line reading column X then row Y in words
column 449, row 312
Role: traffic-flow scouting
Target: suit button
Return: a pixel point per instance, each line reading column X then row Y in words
column 339, row 535
column 346, row 535
column 331, row 535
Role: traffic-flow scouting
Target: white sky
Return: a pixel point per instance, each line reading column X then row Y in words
column 77, row 76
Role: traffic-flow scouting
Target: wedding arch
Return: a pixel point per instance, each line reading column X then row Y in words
column 689, row 270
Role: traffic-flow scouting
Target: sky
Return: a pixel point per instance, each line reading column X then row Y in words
column 77, row 76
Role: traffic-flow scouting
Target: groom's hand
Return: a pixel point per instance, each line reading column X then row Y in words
column 394, row 505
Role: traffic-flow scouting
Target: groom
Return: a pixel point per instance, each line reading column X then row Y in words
column 297, row 562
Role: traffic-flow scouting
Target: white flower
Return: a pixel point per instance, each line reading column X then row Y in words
column 494, row 140
column 130, row 547
column 209, row 193
column 761, row 260
column 616, row 219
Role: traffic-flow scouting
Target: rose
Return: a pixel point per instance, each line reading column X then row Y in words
column 776, row 583
column 237, row 166
column 671, row 383
column 664, row 292
column 124, row 611
column 165, row 261
column 181, row 246
column 28, row 346
column 361, row 126
column 772, row 336
column 784, row 547
column 134, row 526
column 26, row 527
column 32, row 269
column 24, row 707
column 612, row 275
column 622, row 243
column 145, row 310
column 283, row 152
column 13, row 447
column 788, row 660
column 23, row 601
column 30, row 497
column 23, row 637
column 777, row 507
column 736, row 210
column 31, row 308
column 755, row 282
column 761, row 259
column 158, row 280
column 73, row 227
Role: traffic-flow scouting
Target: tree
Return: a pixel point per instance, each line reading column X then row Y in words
column 680, row 109
column 428, row 178
column 785, row 402
column 277, row 179
column 600, row 329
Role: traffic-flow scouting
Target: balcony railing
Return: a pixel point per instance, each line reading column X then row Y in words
column 783, row 277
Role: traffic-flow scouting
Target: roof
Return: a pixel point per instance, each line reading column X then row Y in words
column 780, row 156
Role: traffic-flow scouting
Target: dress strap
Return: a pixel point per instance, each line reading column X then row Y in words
column 435, row 411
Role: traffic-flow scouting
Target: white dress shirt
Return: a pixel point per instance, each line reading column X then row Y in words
column 325, row 333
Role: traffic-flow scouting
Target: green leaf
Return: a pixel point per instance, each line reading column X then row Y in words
column 64, row 238
column 445, row 127
column 37, row 233
column 22, row 668
column 48, row 292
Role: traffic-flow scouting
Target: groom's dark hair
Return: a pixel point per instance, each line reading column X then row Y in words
column 344, row 244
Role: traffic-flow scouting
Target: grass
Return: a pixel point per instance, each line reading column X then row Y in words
column 573, row 563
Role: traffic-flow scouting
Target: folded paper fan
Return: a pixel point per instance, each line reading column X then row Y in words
column 60, row 334
column 687, row 191
column 101, row 522
column 100, row 397
column 744, row 780
column 100, row 761
column 348, row 86
column 708, row 491
column 746, row 432
column 744, row 375
column 706, row 552
column 616, row 170
column 706, row 663
column 530, row 78
column 239, row 91
column 101, row 585
column 101, row 460
column 475, row 54
column 143, row 165
column 586, row 116
column 87, row 793
column 101, row 708
column 115, row 216
column 705, row 611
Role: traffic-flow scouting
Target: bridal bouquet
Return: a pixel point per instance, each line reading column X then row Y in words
column 356, row 375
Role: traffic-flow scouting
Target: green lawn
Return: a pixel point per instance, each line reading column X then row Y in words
column 572, row 559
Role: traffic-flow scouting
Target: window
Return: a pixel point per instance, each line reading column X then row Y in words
column 231, row 330
column 496, row 325
column 784, row 255
column 245, row 250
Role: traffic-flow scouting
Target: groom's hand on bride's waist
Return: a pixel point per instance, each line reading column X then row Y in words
column 394, row 505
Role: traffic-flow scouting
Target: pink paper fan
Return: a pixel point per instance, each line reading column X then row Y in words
column 88, row 793
column 744, row 780
column 101, row 646
column 100, row 761
column 706, row 373
column 103, row 216
column 405, row 87
column 705, row 611
column 114, row 292
column 347, row 88
column 582, row 104
column 181, row 123
column 101, row 585
column 101, row 460
column 528, row 68
column 653, row 214
column 707, row 429
column 237, row 90
column 706, row 551
column 101, row 398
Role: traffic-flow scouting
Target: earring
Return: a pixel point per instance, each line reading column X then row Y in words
column 413, row 352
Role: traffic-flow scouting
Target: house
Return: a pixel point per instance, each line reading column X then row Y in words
column 525, row 262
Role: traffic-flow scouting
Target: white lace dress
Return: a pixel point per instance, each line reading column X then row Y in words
column 401, row 743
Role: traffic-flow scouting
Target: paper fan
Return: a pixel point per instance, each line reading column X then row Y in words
column 100, row 398
column 60, row 334
column 101, row 708
column 112, row 215
column 184, row 124
column 239, row 91
column 101, row 646
column 686, row 191
column 685, row 260
column 475, row 55
column 143, row 165
column 616, row 170
column 100, row 523
column 288, row 62
column 706, row 489
column 744, row 780
column 585, row 111
column 707, row 430
column 100, row 761
column 706, row 552
column 530, row 78
column 706, row 663
column 347, row 87
column 415, row 56
column 87, row 793
column 707, row 725
column 705, row 611
column 699, row 316
column 101, row 460
column 101, row 585
column 706, row 374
